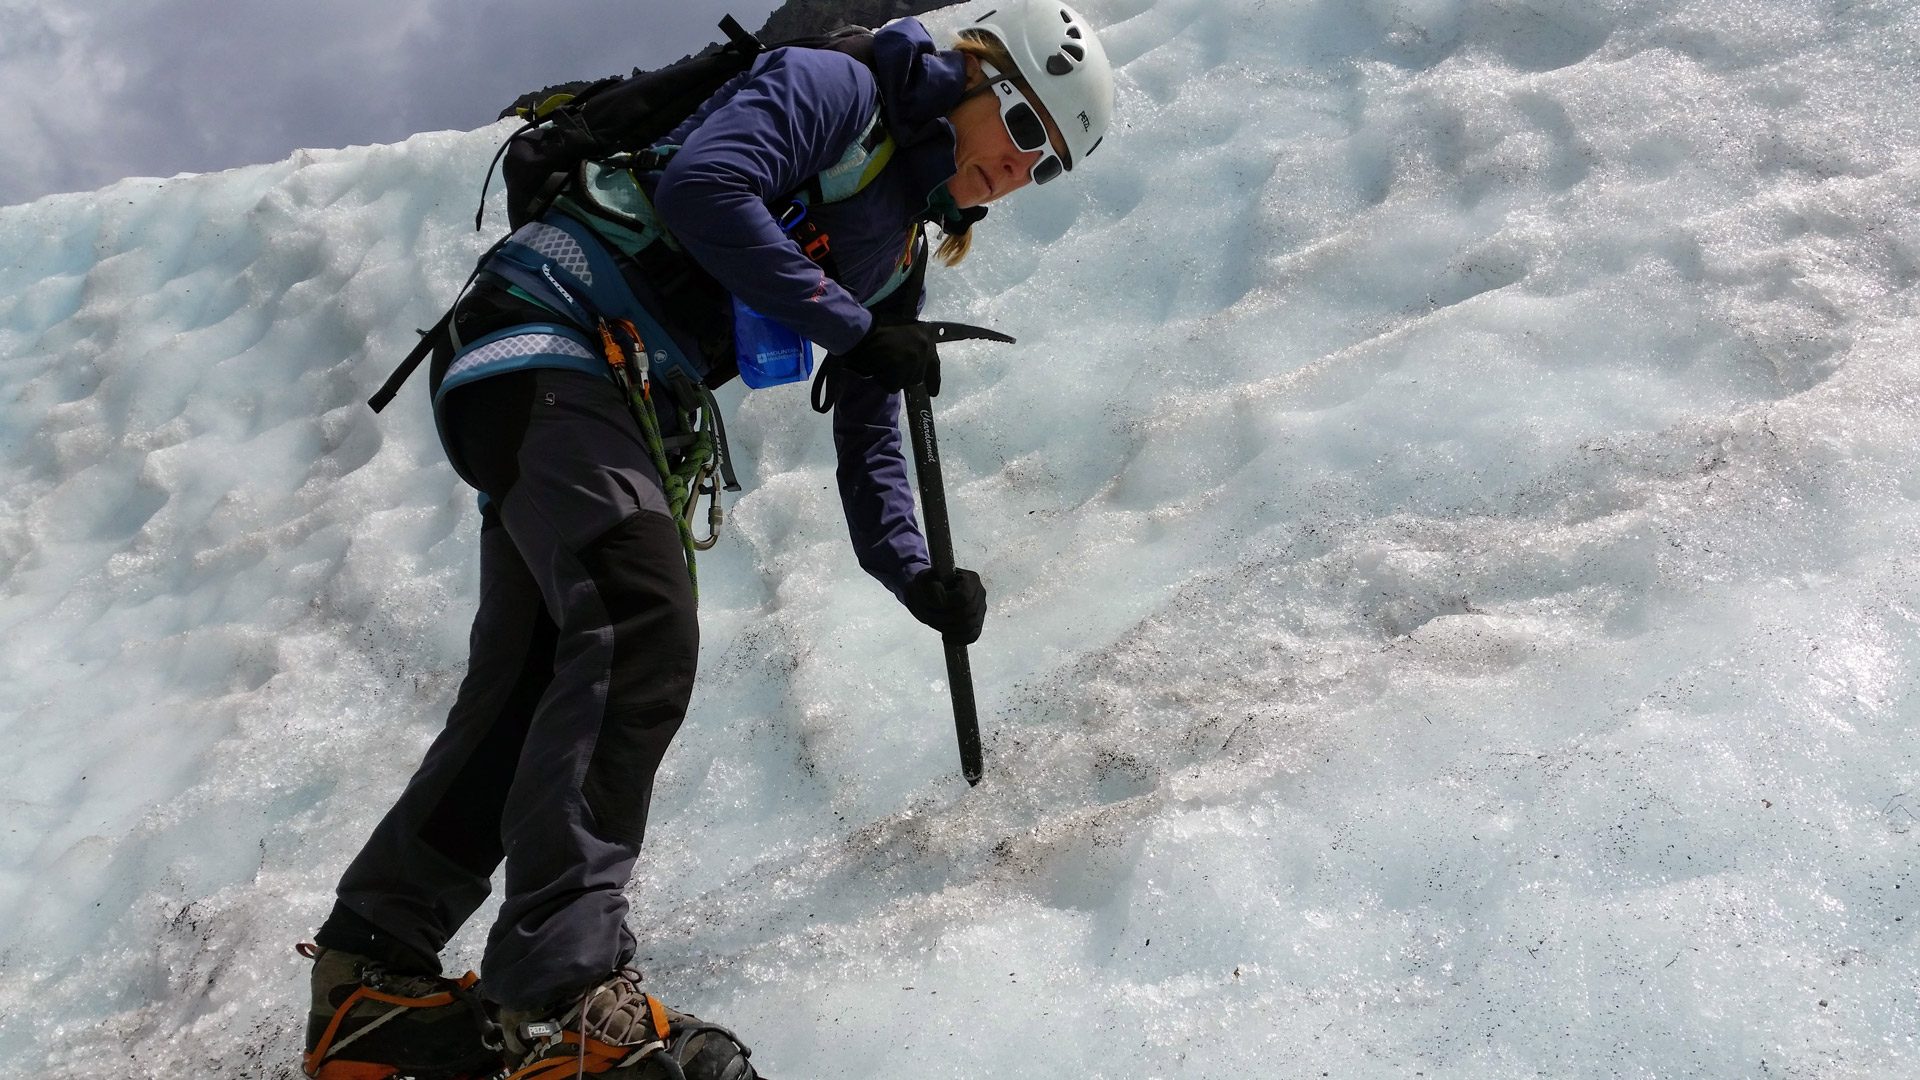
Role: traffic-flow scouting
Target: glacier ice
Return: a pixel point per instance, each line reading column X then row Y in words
column 1451, row 517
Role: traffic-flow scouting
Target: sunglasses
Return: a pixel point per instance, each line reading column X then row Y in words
column 1024, row 124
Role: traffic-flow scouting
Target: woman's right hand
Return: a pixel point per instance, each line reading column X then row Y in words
column 897, row 355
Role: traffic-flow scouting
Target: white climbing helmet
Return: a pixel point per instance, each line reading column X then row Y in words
column 1059, row 56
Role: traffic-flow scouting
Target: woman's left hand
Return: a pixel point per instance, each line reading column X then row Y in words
column 897, row 355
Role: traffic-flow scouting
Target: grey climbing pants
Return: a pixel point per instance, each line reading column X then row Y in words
column 581, row 665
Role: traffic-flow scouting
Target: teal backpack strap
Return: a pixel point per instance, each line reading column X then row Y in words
column 860, row 165
column 903, row 270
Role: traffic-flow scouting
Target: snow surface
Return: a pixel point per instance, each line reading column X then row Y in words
column 1450, row 516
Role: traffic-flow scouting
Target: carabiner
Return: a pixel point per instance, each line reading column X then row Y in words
column 704, row 484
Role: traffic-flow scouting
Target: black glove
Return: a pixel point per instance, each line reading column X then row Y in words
column 956, row 607
column 897, row 355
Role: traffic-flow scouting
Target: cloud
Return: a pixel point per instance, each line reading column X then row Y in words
column 58, row 87
column 152, row 87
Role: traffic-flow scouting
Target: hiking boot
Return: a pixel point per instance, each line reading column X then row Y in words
column 629, row 1035
column 371, row 1023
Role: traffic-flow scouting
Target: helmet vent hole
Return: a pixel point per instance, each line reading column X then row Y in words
column 1066, row 16
column 987, row 16
column 1074, row 51
column 1073, row 32
column 1059, row 65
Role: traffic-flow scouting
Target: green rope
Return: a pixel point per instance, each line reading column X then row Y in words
column 679, row 483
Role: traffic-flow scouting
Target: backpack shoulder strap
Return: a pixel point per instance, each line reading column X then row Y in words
column 860, row 165
column 862, row 161
column 870, row 152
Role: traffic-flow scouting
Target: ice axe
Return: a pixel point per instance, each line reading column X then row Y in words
column 933, row 504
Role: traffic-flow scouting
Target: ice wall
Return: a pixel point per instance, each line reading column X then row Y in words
column 1450, row 519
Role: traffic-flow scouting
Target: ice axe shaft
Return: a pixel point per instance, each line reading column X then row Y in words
column 933, row 506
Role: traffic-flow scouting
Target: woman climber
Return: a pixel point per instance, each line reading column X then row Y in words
column 571, row 392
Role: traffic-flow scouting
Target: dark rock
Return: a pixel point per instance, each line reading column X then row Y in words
column 803, row 18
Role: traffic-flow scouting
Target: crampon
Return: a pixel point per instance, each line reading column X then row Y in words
column 370, row 1023
column 628, row 1035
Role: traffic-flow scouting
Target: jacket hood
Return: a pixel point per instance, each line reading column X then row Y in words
column 919, row 86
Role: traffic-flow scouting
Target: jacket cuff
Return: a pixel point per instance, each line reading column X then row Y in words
column 908, row 572
column 863, row 322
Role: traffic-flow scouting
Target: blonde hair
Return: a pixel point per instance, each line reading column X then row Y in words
column 987, row 49
column 953, row 249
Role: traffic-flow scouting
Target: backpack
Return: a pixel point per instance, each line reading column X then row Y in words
column 614, row 122
column 610, row 120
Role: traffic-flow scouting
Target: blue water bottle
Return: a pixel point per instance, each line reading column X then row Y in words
column 767, row 353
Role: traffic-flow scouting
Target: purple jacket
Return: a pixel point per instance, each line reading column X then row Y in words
column 762, row 137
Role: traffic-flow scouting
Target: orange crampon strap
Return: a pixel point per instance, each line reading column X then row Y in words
column 311, row 1063
column 356, row 1070
column 598, row 1057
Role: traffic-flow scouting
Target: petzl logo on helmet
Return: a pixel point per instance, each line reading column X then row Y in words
column 1086, row 122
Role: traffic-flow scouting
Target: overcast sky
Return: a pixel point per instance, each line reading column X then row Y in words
column 96, row 90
